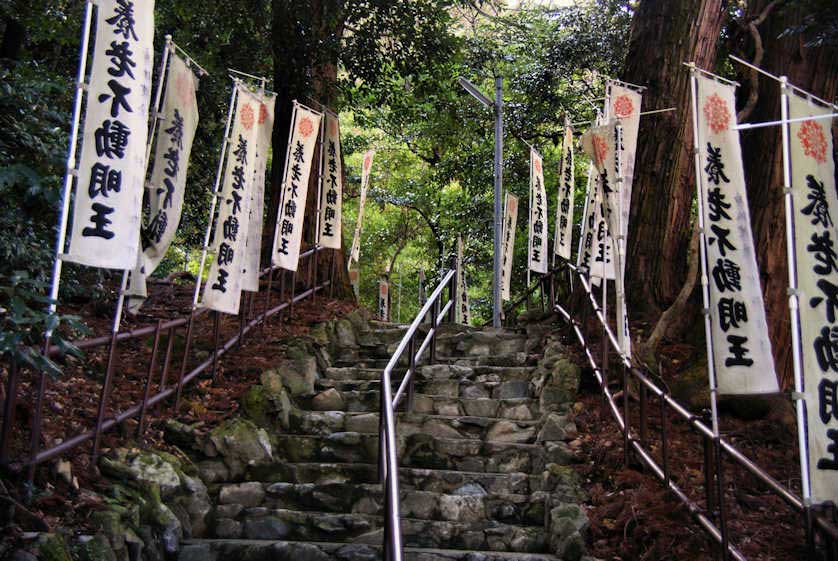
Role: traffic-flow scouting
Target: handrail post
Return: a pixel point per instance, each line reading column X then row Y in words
column 644, row 412
column 452, row 295
column 411, row 371
column 434, row 316
column 147, row 389
column 216, row 321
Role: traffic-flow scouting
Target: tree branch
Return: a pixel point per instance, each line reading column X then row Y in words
column 759, row 52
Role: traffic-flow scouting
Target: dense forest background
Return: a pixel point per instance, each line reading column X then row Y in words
column 390, row 69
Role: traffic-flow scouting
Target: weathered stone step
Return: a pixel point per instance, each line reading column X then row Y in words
column 269, row 550
column 425, row 451
column 453, row 388
column 440, row 426
column 437, row 480
column 508, row 359
column 481, row 373
column 283, row 524
column 342, row 498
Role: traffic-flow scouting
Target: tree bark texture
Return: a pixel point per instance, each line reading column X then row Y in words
column 665, row 33
column 813, row 69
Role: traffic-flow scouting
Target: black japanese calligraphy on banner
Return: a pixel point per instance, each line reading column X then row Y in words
column 510, row 223
column 288, row 235
column 584, row 258
column 742, row 352
column 111, row 174
column 331, row 187
column 564, row 208
column 538, row 227
column 165, row 189
column 384, row 298
column 815, row 212
column 222, row 291
column 250, row 281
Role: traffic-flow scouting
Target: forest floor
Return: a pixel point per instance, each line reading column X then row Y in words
column 634, row 518
column 72, row 399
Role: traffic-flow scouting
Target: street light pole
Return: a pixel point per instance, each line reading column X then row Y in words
column 497, row 106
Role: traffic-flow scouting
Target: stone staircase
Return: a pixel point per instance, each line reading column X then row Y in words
column 483, row 462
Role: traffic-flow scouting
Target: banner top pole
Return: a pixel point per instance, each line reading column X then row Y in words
column 783, row 82
column 625, row 84
column 692, row 66
column 190, row 61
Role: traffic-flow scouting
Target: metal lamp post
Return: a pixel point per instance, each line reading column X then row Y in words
column 497, row 106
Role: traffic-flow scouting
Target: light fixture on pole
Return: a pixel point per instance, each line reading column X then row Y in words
column 497, row 105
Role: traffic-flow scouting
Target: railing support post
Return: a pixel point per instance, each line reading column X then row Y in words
column 9, row 411
column 644, row 414
column 216, row 321
column 411, row 371
column 103, row 397
column 626, row 417
column 434, row 316
column 147, row 389
column 183, row 364
column 720, row 490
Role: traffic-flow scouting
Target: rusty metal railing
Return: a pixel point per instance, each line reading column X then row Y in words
column 249, row 318
column 818, row 524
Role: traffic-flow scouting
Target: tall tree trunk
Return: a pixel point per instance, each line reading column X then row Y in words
column 665, row 33
column 814, row 70
column 305, row 36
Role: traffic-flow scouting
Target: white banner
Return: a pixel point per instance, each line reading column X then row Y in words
column 601, row 145
column 164, row 193
column 815, row 205
column 564, row 208
column 584, row 257
column 741, row 349
column 355, row 250
column 222, row 290
column 384, row 299
column 538, row 226
column 253, row 251
column 289, row 222
column 107, row 211
column 624, row 104
column 463, row 313
column 510, row 223
column 331, row 190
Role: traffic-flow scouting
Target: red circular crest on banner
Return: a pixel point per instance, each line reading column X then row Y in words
column 263, row 113
column 813, row 140
column 537, row 164
column 717, row 113
column 623, row 107
column 600, row 148
column 183, row 87
column 246, row 116
column 306, row 127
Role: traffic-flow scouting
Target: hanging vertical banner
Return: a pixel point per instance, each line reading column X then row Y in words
column 584, row 257
column 741, row 349
column 331, row 203
column 164, row 192
column 601, row 144
column 355, row 251
column 463, row 312
column 222, row 290
column 564, row 208
column 384, row 298
column 107, row 211
column 602, row 265
column 538, row 227
column 815, row 204
column 253, row 251
column 510, row 223
column 624, row 104
column 289, row 222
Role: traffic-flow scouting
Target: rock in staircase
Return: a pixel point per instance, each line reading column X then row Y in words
column 483, row 462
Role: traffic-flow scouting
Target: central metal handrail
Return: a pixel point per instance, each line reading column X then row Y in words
column 388, row 464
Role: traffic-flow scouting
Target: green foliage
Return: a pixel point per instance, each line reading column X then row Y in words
column 25, row 323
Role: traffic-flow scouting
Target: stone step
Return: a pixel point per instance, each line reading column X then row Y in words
column 269, row 550
column 439, row 426
column 437, row 480
column 236, row 501
column 456, row 388
column 437, row 371
column 262, row 523
column 425, row 451
column 507, row 359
